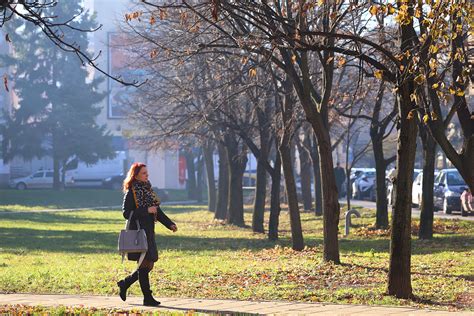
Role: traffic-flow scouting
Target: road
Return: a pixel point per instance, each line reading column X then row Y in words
column 415, row 210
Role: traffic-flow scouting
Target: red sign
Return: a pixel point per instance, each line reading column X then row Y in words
column 182, row 170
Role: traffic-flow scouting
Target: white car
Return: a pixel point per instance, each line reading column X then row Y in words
column 390, row 186
column 417, row 191
column 91, row 175
column 364, row 184
column 41, row 179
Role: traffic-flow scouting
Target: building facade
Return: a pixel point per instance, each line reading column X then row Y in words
column 162, row 165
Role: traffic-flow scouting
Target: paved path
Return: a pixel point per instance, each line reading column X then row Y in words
column 215, row 306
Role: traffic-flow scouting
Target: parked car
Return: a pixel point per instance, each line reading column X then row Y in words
column 115, row 183
column 417, row 191
column 449, row 185
column 91, row 175
column 249, row 180
column 41, row 179
column 363, row 185
column 355, row 173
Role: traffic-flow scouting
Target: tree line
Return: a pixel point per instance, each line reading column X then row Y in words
column 239, row 76
column 254, row 75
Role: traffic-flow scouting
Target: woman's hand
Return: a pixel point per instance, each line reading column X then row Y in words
column 174, row 228
column 152, row 209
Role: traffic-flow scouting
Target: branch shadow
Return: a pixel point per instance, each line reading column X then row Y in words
column 72, row 217
column 21, row 240
column 452, row 243
column 101, row 240
column 468, row 277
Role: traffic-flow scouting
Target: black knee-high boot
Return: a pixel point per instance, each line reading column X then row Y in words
column 144, row 280
column 126, row 283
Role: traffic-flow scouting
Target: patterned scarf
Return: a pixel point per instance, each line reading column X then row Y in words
column 144, row 194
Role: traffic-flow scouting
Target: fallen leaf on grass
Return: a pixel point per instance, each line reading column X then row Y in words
column 439, row 227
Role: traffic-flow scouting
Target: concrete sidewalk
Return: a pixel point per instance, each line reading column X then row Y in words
column 209, row 306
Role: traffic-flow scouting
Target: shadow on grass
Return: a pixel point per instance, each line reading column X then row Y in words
column 452, row 243
column 21, row 239
column 73, row 217
column 62, row 218
column 180, row 209
column 70, row 198
column 468, row 277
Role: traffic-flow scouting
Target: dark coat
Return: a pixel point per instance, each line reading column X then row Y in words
column 147, row 222
column 340, row 176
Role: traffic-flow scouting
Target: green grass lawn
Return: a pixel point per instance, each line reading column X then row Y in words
column 75, row 252
column 15, row 200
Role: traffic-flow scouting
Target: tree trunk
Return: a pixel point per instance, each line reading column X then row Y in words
column 262, row 159
column 348, row 169
column 399, row 277
column 377, row 131
column 381, row 214
column 275, row 200
column 260, row 194
column 284, row 149
column 399, row 274
column 191, row 182
column 295, row 221
column 331, row 208
column 305, row 172
column 56, row 174
column 211, row 185
column 63, row 174
column 223, row 188
column 200, row 177
column 236, row 165
column 318, row 199
column 426, row 203
column 348, row 187
column 56, row 166
column 320, row 123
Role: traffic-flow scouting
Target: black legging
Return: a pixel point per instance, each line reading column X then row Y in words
column 147, row 264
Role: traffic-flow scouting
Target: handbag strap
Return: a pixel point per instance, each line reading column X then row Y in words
column 142, row 257
column 136, row 205
column 140, row 260
column 127, row 224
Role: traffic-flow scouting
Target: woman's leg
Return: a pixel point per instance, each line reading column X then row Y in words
column 143, row 278
column 147, row 264
column 126, row 283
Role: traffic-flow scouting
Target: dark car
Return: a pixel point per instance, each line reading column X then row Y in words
column 115, row 183
column 448, row 188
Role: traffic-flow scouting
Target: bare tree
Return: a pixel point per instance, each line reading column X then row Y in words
column 34, row 12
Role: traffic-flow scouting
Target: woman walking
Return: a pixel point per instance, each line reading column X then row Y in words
column 140, row 199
